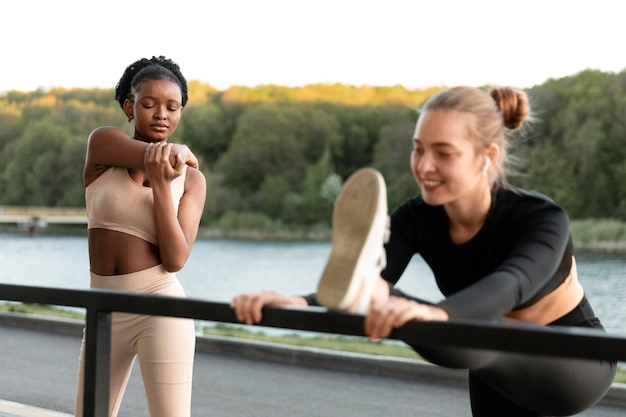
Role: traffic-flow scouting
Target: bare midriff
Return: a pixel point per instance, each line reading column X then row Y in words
column 555, row 304
column 116, row 253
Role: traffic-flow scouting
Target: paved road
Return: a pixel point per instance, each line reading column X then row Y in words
column 38, row 367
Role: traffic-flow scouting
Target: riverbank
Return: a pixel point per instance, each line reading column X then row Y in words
column 263, row 235
column 590, row 235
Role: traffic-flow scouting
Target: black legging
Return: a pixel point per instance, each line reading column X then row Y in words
column 517, row 385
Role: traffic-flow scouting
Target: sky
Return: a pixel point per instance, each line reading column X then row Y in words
column 414, row 43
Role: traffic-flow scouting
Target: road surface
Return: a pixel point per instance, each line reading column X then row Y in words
column 38, row 368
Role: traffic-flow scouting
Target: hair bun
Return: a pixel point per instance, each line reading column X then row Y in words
column 513, row 104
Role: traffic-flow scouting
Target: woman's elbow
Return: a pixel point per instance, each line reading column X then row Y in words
column 174, row 264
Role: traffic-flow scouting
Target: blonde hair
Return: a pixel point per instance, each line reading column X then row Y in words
column 495, row 114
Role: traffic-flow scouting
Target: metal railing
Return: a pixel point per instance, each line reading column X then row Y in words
column 41, row 216
column 99, row 304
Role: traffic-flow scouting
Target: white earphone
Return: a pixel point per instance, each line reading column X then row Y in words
column 486, row 167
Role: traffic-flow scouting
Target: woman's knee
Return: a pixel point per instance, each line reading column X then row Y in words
column 456, row 358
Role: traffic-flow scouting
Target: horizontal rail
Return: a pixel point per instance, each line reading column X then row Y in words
column 540, row 340
column 42, row 221
column 40, row 216
column 42, row 211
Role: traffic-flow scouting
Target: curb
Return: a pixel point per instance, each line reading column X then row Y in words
column 330, row 359
column 12, row 409
column 297, row 355
column 356, row 363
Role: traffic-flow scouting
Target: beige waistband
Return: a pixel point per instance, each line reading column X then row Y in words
column 556, row 304
column 151, row 280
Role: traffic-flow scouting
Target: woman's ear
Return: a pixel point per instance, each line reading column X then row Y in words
column 493, row 153
column 128, row 109
column 492, row 157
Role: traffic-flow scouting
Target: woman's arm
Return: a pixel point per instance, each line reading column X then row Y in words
column 540, row 244
column 109, row 146
column 176, row 234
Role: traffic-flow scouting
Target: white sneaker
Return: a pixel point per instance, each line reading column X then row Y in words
column 360, row 228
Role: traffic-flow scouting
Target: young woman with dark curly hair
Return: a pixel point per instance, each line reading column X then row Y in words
column 144, row 199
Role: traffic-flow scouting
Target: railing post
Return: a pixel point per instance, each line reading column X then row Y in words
column 97, row 363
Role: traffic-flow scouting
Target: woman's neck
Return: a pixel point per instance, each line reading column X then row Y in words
column 466, row 217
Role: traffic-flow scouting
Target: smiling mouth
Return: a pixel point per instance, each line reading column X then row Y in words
column 431, row 183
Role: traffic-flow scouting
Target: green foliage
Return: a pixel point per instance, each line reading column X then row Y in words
column 316, row 208
column 267, row 140
column 10, row 120
column 278, row 155
column 392, row 159
column 41, row 167
column 331, row 187
column 271, row 195
column 207, row 131
column 577, row 152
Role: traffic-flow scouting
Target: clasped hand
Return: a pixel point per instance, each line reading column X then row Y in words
column 163, row 164
column 384, row 316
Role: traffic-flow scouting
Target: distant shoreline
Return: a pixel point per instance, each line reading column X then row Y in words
column 602, row 247
column 303, row 235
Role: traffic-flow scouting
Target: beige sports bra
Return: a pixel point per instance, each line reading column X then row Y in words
column 116, row 202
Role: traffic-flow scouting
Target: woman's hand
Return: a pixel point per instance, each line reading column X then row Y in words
column 395, row 312
column 184, row 153
column 248, row 306
column 157, row 163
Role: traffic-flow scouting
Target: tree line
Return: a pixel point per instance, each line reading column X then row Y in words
column 275, row 154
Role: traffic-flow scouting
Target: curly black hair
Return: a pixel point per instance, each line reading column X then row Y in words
column 155, row 68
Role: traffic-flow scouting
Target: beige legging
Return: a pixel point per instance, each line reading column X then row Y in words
column 165, row 346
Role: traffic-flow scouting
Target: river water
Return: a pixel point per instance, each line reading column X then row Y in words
column 218, row 270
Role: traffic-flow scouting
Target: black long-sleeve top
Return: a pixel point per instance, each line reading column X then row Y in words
column 522, row 252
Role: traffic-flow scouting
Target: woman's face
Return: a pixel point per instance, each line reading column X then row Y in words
column 444, row 160
column 156, row 109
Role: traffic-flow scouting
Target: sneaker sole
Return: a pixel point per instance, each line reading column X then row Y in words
column 359, row 228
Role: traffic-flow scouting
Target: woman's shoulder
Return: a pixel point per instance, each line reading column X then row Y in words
column 512, row 199
column 108, row 133
column 194, row 179
column 520, row 195
column 107, row 129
